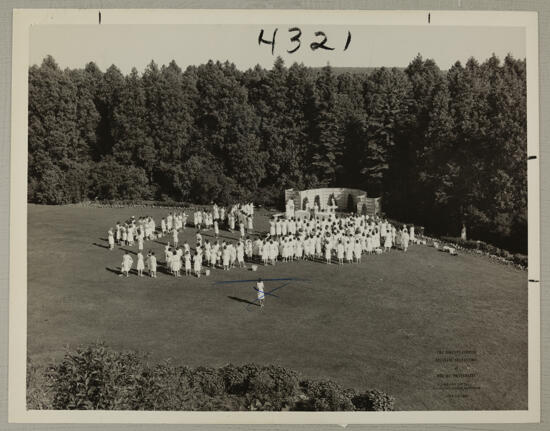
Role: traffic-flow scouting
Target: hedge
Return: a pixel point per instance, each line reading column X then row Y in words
column 470, row 244
column 97, row 377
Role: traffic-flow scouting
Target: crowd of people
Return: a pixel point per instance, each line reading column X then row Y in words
column 330, row 239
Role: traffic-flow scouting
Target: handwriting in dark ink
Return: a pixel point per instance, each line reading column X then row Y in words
column 348, row 40
column 295, row 38
column 316, row 45
column 268, row 42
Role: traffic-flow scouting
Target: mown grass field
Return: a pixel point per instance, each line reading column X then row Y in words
column 378, row 324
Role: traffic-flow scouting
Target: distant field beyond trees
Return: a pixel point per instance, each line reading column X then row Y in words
column 442, row 148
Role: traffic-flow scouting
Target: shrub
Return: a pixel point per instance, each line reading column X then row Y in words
column 520, row 259
column 235, row 379
column 484, row 247
column 274, row 387
column 95, row 377
column 208, row 381
column 165, row 387
column 374, row 400
column 324, row 395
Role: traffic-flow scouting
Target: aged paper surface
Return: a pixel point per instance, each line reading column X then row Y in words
column 24, row 20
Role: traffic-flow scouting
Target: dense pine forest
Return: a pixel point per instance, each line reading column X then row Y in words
column 442, row 148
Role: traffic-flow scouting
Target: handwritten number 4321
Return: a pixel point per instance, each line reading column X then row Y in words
column 295, row 38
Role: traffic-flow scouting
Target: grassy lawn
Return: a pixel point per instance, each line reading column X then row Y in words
column 378, row 324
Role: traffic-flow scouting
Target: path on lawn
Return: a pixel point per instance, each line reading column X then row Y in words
column 378, row 324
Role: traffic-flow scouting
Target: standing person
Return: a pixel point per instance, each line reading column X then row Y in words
column 225, row 258
column 187, row 259
column 216, row 228
column 169, row 220
column 248, row 249
column 349, row 250
column 241, row 228
column 340, row 252
column 411, row 233
column 272, row 227
column 278, row 228
column 118, row 233
column 388, row 241
column 214, row 254
column 111, row 239
column 240, row 254
column 358, row 249
column 231, row 218
column 126, row 265
column 260, row 290
column 176, row 264
column 124, row 235
column 197, row 263
column 328, row 252
column 175, row 238
column 250, row 223
column 169, row 260
column 140, row 243
column 153, row 265
column 140, row 264
column 265, row 252
column 405, row 239
column 130, row 237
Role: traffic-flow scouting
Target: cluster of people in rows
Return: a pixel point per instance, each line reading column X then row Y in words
column 144, row 228
column 344, row 239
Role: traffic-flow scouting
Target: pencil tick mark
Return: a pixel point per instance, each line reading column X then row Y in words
column 531, row 157
column 100, row 17
column 428, row 18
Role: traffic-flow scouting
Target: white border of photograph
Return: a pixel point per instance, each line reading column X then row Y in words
column 24, row 18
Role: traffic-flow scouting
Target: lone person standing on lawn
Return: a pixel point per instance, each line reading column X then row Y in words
column 260, row 289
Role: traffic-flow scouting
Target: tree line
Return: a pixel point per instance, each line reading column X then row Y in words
column 442, row 148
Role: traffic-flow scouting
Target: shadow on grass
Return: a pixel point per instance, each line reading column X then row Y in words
column 114, row 270
column 129, row 251
column 234, row 298
column 100, row 245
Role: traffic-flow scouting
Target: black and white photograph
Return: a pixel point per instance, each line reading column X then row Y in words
column 290, row 213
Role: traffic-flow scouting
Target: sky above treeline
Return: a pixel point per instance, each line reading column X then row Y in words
column 128, row 46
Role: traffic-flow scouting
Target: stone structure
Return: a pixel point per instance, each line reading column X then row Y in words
column 329, row 199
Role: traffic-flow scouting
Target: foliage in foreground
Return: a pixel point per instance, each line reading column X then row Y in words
column 96, row 377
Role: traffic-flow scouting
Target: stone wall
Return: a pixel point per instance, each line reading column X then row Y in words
column 341, row 195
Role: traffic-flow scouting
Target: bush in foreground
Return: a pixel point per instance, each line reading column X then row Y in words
column 96, row 377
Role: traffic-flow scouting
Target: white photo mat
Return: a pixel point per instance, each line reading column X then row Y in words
column 24, row 19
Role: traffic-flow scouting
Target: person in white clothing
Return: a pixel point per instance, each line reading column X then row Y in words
column 140, row 266
column 197, row 264
column 260, row 291
column 111, row 239
column 126, row 265
column 405, row 240
column 153, row 265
